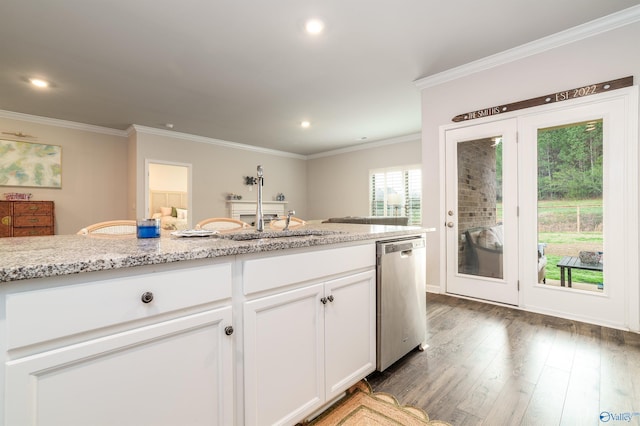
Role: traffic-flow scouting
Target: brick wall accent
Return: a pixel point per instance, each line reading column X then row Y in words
column 476, row 186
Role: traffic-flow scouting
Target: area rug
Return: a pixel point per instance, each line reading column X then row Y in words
column 363, row 407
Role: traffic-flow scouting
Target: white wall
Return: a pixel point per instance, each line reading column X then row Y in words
column 219, row 170
column 603, row 57
column 166, row 177
column 94, row 176
column 338, row 184
column 103, row 172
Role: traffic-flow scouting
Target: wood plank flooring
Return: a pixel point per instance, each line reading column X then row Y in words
column 492, row 365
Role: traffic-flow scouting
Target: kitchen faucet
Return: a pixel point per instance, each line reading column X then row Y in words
column 289, row 214
column 259, row 215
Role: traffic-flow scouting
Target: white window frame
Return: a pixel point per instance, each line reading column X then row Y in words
column 406, row 201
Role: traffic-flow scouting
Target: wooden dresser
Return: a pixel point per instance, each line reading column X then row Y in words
column 26, row 218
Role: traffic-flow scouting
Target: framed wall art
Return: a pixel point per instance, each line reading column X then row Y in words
column 30, row 164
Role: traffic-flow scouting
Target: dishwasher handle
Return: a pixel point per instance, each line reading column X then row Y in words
column 401, row 246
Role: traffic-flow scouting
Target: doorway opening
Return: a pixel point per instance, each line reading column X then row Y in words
column 168, row 194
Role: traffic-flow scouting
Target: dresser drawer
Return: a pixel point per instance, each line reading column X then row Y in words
column 23, row 221
column 33, row 231
column 32, row 208
column 42, row 315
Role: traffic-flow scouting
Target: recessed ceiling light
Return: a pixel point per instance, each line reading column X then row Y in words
column 314, row 26
column 39, row 82
column 305, row 124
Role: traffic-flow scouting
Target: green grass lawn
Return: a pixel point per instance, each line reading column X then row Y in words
column 577, row 275
column 570, row 215
column 571, row 239
column 562, row 214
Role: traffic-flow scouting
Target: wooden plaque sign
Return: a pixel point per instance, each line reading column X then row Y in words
column 548, row 99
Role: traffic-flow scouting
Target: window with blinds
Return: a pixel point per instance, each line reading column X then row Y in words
column 397, row 192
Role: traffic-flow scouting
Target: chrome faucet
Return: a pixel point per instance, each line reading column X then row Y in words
column 289, row 214
column 259, row 215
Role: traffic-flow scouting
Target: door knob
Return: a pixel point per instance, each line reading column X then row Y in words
column 450, row 224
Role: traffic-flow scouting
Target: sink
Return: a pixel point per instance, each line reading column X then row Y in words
column 253, row 235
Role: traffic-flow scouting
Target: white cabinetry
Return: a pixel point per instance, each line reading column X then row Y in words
column 350, row 329
column 284, row 359
column 102, row 356
column 306, row 344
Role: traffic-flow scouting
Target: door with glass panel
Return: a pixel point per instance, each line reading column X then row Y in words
column 575, row 197
column 481, row 211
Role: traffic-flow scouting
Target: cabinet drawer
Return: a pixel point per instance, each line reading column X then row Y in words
column 273, row 272
column 32, row 231
column 32, row 208
column 23, row 221
column 41, row 315
column 5, row 225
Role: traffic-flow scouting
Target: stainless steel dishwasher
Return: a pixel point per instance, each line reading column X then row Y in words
column 401, row 298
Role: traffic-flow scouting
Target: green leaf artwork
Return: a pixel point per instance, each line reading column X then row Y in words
column 30, row 164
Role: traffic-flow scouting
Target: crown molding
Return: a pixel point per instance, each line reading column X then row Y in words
column 193, row 138
column 368, row 145
column 202, row 139
column 571, row 35
column 61, row 123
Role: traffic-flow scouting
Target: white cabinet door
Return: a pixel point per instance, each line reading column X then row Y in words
column 306, row 346
column 284, row 356
column 177, row 372
column 350, row 331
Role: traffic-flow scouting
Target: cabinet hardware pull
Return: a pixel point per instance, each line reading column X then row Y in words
column 6, row 220
column 228, row 330
column 147, row 297
column 324, row 300
column 330, row 298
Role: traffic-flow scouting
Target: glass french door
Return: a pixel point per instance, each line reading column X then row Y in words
column 575, row 195
column 548, row 221
column 481, row 211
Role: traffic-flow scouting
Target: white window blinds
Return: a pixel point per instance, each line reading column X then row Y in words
column 396, row 192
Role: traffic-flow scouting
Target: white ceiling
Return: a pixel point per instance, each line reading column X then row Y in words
column 245, row 71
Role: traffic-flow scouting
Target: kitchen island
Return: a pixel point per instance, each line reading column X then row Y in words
column 225, row 330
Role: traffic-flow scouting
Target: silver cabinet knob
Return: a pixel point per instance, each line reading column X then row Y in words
column 330, row 298
column 147, row 297
column 228, row 330
column 323, row 300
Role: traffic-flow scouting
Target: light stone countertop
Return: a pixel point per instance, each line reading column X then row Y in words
column 36, row 257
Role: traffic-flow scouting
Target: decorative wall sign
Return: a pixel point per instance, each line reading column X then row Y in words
column 565, row 95
column 30, row 164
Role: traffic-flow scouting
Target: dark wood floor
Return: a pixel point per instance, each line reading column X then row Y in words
column 491, row 365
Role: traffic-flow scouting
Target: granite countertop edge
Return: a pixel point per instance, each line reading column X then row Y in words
column 40, row 257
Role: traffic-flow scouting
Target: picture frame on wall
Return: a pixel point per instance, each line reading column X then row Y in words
column 30, row 164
